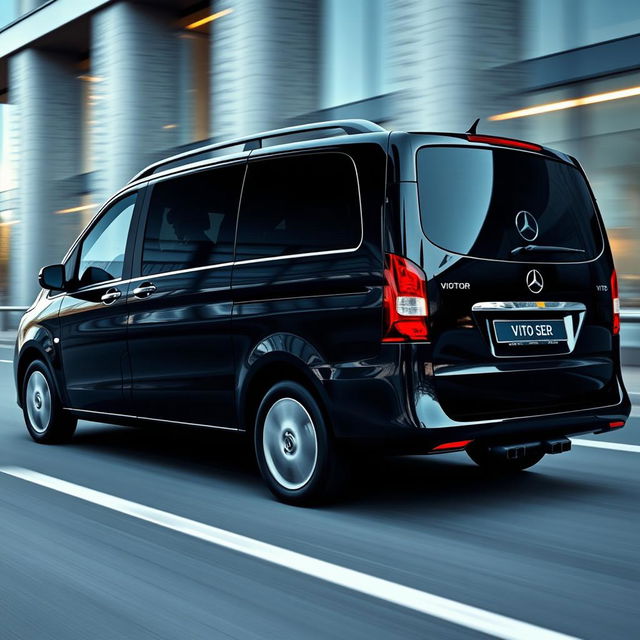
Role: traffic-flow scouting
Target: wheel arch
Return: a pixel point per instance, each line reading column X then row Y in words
column 269, row 369
column 30, row 352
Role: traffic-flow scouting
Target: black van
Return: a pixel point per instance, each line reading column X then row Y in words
column 333, row 286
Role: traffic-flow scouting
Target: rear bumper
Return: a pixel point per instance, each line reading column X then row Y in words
column 419, row 440
column 377, row 404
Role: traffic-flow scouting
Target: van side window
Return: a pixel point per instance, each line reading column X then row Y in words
column 299, row 204
column 103, row 248
column 191, row 220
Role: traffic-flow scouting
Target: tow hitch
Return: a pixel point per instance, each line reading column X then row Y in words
column 515, row 451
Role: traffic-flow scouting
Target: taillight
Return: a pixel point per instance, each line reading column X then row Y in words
column 615, row 299
column 405, row 301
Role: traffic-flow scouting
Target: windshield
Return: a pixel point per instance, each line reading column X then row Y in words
column 506, row 205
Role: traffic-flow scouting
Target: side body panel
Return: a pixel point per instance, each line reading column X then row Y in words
column 180, row 345
column 320, row 314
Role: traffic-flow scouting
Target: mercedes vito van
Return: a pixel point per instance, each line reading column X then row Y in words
column 335, row 286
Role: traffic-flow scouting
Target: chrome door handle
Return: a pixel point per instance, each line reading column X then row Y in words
column 110, row 296
column 144, row 290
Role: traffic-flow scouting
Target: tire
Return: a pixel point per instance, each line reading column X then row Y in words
column 297, row 455
column 46, row 421
column 483, row 457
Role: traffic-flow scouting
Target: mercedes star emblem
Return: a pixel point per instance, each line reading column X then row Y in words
column 527, row 225
column 535, row 281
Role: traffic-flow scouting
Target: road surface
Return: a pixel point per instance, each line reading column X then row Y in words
column 159, row 534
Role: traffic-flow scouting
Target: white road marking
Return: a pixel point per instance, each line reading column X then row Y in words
column 9, row 361
column 600, row 444
column 6, row 346
column 452, row 611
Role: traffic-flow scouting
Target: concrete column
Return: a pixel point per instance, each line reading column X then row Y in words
column 134, row 55
column 45, row 146
column 265, row 64
column 447, row 62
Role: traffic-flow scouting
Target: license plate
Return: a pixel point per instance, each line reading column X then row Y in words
column 530, row 331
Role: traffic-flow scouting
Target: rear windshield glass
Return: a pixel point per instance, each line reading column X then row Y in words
column 506, row 205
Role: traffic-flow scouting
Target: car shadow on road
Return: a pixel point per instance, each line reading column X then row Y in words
column 411, row 482
column 200, row 451
column 454, row 482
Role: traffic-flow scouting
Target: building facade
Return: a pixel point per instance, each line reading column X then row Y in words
column 92, row 91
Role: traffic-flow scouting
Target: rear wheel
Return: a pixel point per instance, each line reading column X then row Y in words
column 488, row 460
column 42, row 408
column 296, row 453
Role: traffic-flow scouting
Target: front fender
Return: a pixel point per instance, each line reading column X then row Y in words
column 36, row 339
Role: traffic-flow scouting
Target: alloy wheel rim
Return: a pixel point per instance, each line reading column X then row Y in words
column 38, row 401
column 290, row 443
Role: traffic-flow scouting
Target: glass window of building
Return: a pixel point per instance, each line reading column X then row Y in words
column 605, row 138
column 559, row 25
column 8, row 11
column 7, row 170
column 193, row 79
column 353, row 51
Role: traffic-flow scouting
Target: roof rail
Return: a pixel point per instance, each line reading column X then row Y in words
column 350, row 127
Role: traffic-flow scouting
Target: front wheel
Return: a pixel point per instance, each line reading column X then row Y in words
column 46, row 421
column 485, row 458
column 296, row 453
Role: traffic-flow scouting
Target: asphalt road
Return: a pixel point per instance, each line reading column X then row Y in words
column 556, row 547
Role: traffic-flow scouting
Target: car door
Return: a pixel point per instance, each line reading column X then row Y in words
column 180, row 300
column 305, row 271
column 93, row 314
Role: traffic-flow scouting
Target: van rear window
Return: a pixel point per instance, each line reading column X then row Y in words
column 506, row 205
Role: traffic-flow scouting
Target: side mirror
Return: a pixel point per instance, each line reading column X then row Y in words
column 52, row 277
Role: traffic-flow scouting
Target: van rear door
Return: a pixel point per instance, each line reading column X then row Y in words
column 520, row 283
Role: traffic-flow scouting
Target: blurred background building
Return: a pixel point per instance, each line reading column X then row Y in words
column 93, row 90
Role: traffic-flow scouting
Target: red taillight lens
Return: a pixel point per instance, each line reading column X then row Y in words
column 615, row 298
column 405, row 301
column 616, row 425
column 506, row 142
column 461, row 444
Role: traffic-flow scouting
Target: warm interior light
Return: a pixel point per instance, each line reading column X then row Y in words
column 568, row 104
column 8, row 223
column 211, row 18
column 169, row 126
column 88, row 78
column 75, row 209
column 460, row 444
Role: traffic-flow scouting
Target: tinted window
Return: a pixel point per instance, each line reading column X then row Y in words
column 102, row 253
column 470, row 201
column 191, row 220
column 299, row 204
